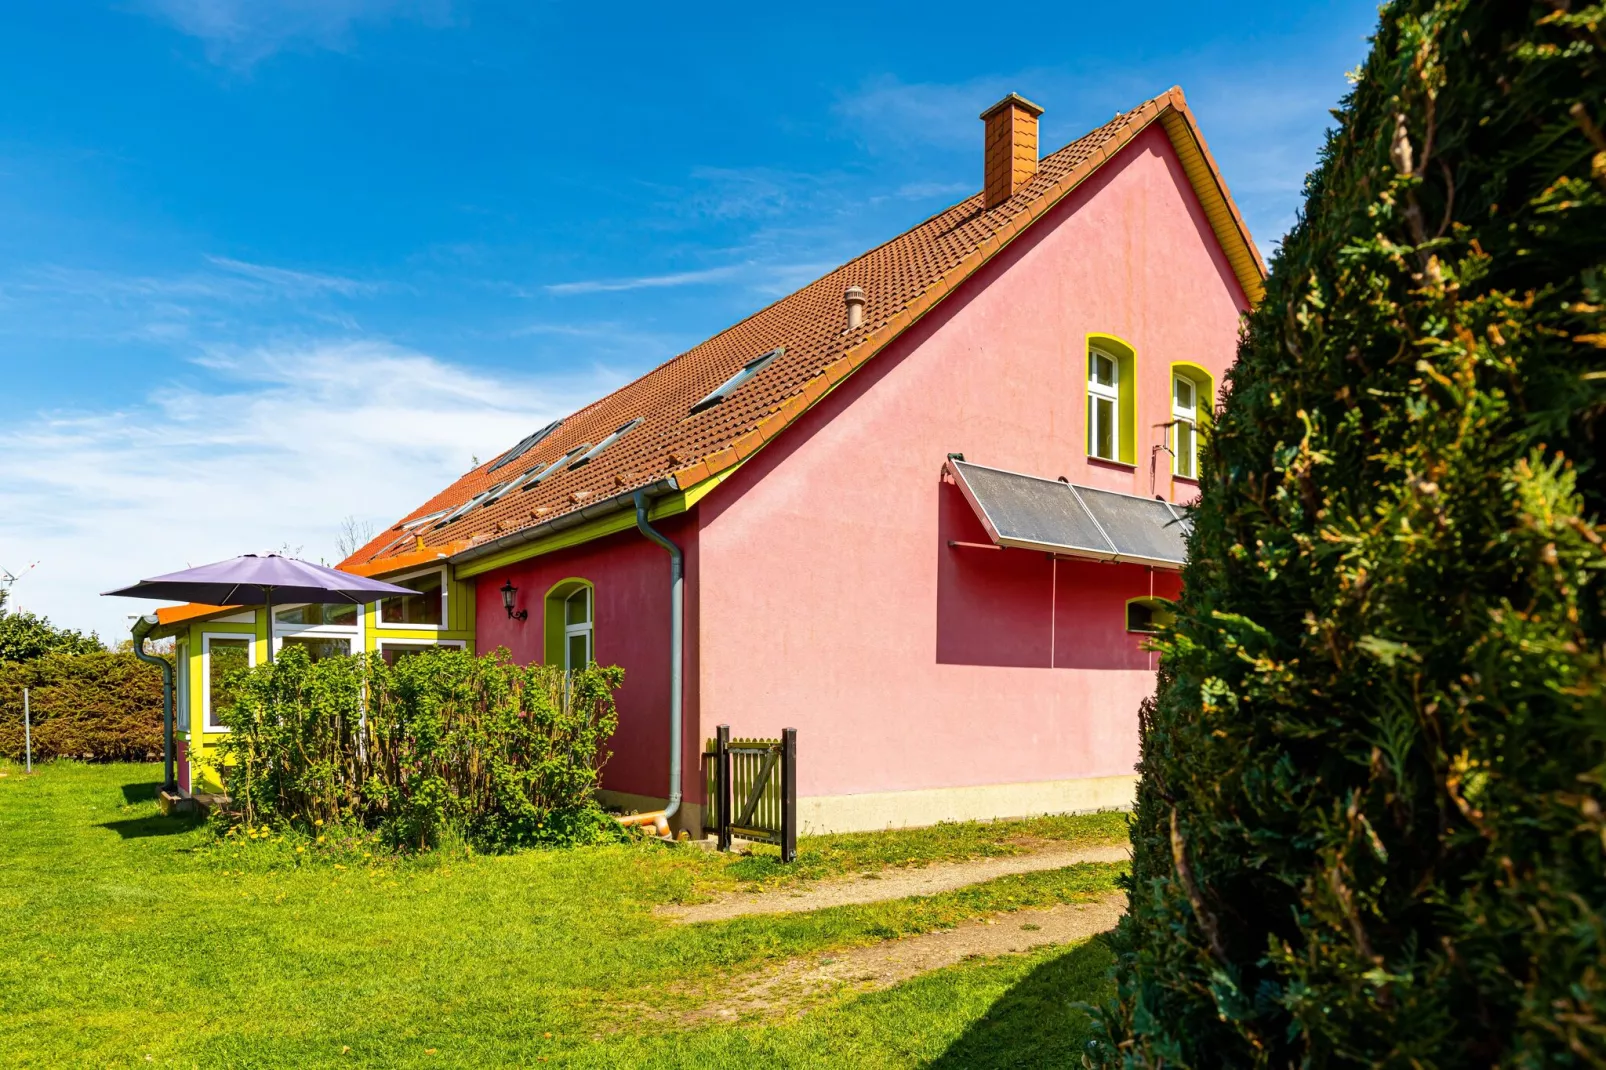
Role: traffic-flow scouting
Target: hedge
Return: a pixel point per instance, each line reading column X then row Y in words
column 99, row 707
column 1371, row 822
column 441, row 742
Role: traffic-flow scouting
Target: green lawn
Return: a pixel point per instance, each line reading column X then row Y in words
column 130, row 939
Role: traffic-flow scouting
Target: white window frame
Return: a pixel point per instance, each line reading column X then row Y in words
column 1189, row 416
column 1096, row 389
column 183, row 716
column 588, row 629
column 351, row 632
column 384, row 641
column 446, row 604
column 207, row 723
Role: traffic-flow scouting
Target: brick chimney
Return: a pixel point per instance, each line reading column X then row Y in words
column 1010, row 147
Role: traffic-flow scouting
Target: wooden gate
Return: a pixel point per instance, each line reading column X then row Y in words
column 752, row 789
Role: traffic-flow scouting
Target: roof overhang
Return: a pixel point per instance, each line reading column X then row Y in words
column 1027, row 512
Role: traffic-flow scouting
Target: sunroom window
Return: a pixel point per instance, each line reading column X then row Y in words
column 1184, row 427
column 424, row 608
column 223, row 655
column 1103, row 405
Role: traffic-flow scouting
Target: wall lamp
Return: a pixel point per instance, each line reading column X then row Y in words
column 508, row 591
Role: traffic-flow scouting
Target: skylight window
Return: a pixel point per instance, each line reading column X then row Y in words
column 734, row 383
column 466, row 506
column 420, row 521
column 605, row 443
column 525, row 445
column 554, row 468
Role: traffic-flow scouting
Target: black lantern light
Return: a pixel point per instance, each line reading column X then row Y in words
column 508, row 591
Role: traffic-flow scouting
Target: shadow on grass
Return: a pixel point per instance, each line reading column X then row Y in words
column 138, row 793
column 138, row 828
column 1036, row 1023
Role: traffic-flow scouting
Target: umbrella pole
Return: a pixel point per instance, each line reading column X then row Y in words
column 268, row 594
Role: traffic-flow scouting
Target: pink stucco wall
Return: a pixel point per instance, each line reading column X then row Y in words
column 829, row 599
column 631, row 579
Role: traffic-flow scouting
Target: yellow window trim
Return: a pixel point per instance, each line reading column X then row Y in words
column 1126, row 359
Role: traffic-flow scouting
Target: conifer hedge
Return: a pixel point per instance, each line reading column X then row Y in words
column 1371, row 825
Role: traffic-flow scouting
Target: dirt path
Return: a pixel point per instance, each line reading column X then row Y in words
column 864, row 969
column 889, row 884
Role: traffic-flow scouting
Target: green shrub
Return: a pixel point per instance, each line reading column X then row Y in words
column 1371, row 825
column 442, row 742
column 25, row 636
column 101, row 707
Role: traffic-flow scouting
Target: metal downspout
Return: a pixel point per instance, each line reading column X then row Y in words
column 142, row 628
column 677, row 600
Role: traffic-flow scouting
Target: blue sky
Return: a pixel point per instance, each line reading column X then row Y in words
column 266, row 264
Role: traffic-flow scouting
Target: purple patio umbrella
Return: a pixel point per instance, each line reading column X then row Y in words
column 262, row 581
column 244, row 581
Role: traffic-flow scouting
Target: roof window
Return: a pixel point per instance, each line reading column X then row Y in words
column 525, row 445
column 541, row 475
column 734, row 383
column 420, row 521
column 605, row 443
column 466, row 506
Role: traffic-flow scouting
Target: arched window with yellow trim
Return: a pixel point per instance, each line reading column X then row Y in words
column 570, row 624
column 1112, row 377
column 1192, row 394
column 1145, row 616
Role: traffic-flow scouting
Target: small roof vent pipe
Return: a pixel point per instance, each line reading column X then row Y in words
column 854, row 300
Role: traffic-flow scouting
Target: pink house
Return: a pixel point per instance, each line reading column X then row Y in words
column 922, row 507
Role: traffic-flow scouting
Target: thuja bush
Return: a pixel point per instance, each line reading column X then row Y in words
column 1371, row 824
column 440, row 743
column 99, row 706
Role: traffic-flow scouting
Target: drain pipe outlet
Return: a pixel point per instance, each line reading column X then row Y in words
column 677, row 601
column 143, row 627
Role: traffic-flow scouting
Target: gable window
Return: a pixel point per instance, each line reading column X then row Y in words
column 426, row 608
column 221, row 657
column 1146, row 616
column 1184, row 427
column 577, row 630
column 1103, row 405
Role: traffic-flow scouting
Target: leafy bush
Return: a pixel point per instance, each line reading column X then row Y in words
column 441, row 742
column 1372, row 814
column 25, row 636
column 102, row 706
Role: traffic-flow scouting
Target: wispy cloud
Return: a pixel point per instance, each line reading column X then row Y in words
column 648, row 282
column 290, row 281
column 238, row 33
column 280, row 443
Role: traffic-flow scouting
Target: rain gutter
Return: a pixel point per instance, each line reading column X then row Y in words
column 616, row 504
column 677, row 629
column 143, row 627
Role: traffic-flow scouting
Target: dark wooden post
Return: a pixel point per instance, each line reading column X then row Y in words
column 722, row 786
column 788, row 794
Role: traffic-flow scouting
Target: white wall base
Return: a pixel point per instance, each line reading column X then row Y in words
column 985, row 802
column 911, row 809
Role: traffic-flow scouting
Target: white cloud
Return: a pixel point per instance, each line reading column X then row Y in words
column 238, row 33
column 648, row 282
column 292, row 282
column 283, row 443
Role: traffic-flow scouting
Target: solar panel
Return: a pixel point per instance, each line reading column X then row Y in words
column 1144, row 528
column 1028, row 511
column 525, row 445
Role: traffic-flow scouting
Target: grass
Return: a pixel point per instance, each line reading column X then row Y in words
column 127, row 938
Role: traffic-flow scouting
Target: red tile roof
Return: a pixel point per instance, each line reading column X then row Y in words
column 902, row 279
